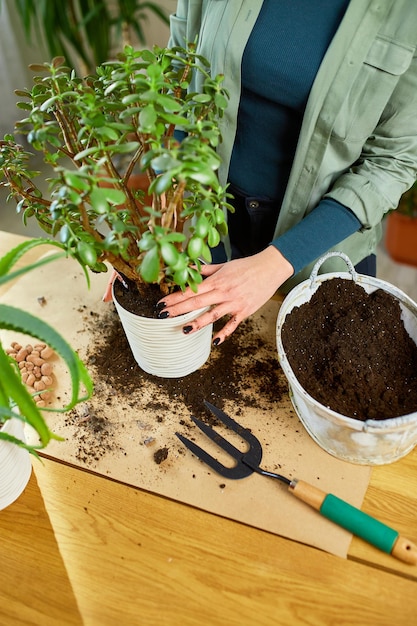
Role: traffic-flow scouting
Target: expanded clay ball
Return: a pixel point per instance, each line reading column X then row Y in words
column 35, row 369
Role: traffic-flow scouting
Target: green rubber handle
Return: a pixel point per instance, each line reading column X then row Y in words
column 358, row 523
column 354, row 520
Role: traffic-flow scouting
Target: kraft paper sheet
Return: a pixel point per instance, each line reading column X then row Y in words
column 131, row 423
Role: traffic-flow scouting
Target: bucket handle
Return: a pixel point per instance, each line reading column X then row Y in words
column 328, row 255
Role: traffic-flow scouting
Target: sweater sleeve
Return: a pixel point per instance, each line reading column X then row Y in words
column 328, row 224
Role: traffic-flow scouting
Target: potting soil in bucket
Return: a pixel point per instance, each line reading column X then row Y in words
column 347, row 344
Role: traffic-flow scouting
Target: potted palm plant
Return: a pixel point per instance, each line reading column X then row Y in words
column 95, row 133
column 401, row 229
column 85, row 32
column 17, row 406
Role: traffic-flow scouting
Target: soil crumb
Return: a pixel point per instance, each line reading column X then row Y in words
column 160, row 455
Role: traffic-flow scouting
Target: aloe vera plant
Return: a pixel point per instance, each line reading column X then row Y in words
column 15, row 399
column 116, row 122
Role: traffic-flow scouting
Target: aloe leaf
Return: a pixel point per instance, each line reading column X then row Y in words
column 19, row 442
column 8, row 260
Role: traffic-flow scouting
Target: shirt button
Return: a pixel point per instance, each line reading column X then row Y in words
column 253, row 204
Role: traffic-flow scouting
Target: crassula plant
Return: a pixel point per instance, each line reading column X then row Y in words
column 95, row 133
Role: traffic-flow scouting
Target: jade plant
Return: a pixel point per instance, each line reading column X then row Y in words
column 15, row 398
column 95, row 133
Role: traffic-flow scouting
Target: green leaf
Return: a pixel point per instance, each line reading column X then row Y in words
column 219, row 216
column 107, row 133
column 175, row 237
column 164, row 162
column 146, row 242
column 206, row 254
column 8, row 260
column 131, row 98
column 168, row 103
column 180, row 277
column 149, row 269
column 220, row 101
column 195, row 276
column 65, row 234
column 116, row 197
column 202, row 98
column 87, row 152
column 154, row 70
column 147, row 118
column 181, row 263
column 195, row 247
column 173, row 118
column 161, row 183
column 48, row 103
column 202, row 226
column 98, row 199
column 128, row 146
column 76, row 181
column 213, row 238
column 87, row 253
column 206, row 177
column 169, row 253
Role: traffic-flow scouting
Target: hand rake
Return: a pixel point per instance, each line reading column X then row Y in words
column 330, row 506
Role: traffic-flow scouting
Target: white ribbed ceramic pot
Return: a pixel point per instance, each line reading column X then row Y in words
column 15, row 464
column 160, row 347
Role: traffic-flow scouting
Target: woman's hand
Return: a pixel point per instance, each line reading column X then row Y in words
column 236, row 289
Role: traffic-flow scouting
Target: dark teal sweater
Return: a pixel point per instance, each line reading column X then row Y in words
column 279, row 65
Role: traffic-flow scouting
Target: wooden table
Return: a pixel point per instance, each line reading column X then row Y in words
column 77, row 548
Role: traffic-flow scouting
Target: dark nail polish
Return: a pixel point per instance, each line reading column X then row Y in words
column 160, row 306
column 216, row 341
column 163, row 315
column 187, row 329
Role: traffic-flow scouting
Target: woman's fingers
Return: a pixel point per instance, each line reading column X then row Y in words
column 236, row 289
column 181, row 302
column 204, row 319
column 107, row 296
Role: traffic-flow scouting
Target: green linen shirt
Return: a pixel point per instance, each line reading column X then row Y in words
column 358, row 140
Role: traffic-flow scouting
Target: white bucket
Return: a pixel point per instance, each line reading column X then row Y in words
column 370, row 442
column 160, row 347
column 15, row 464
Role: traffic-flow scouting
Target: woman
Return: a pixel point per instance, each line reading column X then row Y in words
column 319, row 138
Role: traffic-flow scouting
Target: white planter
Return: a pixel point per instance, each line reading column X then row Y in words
column 370, row 442
column 15, row 464
column 161, row 348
